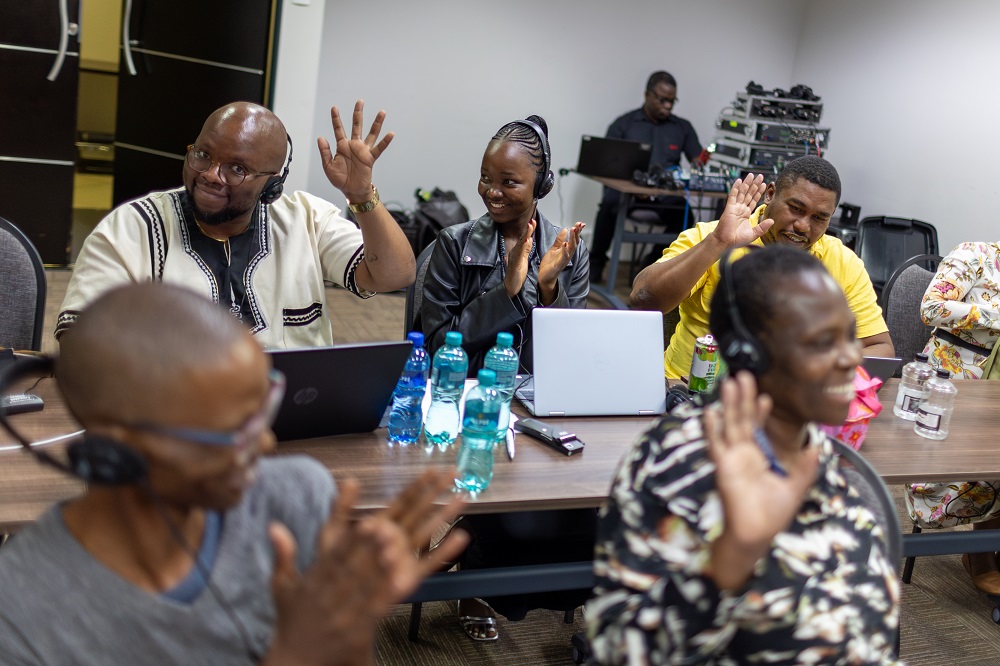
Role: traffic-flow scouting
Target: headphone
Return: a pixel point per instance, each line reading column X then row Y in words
column 740, row 349
column 275, row 185
column 92, row 458
column 545, row 185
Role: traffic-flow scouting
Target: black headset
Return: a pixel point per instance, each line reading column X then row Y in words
column 740, row 349
column 95, row 459
column 548, row 180
column 275, row 185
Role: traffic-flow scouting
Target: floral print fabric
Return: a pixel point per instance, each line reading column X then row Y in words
column 964, row 299
column 825, row 593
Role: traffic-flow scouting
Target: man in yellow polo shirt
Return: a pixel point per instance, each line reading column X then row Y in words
column 796, row 212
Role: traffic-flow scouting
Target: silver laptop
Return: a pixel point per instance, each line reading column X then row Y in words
column 595, row 363
column 337, row 390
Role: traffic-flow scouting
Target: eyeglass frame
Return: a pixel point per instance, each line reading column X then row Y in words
column 228, row 165
column 240, row 438
column 663, row 100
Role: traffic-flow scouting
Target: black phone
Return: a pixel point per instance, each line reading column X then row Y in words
column 562, row 441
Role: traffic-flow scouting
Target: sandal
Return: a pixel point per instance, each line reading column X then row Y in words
column 471, row 622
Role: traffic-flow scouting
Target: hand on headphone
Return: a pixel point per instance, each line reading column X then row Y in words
column 734, row 229
column 517, row 261
column 350, row 168
column 556, row 259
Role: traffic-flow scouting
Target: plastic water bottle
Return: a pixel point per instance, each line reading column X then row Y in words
column 479, row 432
column 502, row 359
column 448, row 372
column 911, row 387
column 934, row 412
column 406, row 419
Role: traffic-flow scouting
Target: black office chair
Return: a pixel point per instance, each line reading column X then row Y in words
column 22, row 290
column 415, row 292
column 884, row 243
column 900, row 303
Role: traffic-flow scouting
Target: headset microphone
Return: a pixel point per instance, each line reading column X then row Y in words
column 92, row 458
column 740, row 349
column 275, row 185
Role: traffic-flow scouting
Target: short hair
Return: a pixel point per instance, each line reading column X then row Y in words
column 129, row 349
column 754, row 278
column 814, row 169
column 660, row 77
column 518, row 132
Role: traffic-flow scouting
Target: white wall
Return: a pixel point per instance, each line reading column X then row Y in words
column 910, row 93
column 295, row 82
column 452, row 72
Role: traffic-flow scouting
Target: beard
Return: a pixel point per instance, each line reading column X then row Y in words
column 227, row 214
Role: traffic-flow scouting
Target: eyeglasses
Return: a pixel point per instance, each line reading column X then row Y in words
column 662, row 100
column 231, row 174
column 240, row 438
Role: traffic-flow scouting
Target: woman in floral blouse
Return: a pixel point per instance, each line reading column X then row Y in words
column 730, row 536
column 963, row 302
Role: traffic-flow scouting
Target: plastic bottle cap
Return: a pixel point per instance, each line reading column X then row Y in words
column 921, row 357
column 486, row 377
column 453, row 338
column 944, row 374
column 505, row 339
column 416, row 337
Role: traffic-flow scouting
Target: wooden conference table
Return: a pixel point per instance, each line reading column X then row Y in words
column 628, row 191
column 539, row 478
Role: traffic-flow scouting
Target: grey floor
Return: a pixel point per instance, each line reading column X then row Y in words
column 944, row 619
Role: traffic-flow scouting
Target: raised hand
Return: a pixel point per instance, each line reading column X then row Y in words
column 349, row 169
column 328, row 614
column 557, row 257
column 734, row 228
column 517, row 261
column 757, row 502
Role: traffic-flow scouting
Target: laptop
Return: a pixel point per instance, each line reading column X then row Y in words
column 337, row 390
column 613, row 158
column 880, row 366
column 595, row 363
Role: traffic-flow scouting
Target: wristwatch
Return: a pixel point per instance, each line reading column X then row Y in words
column 367, row 206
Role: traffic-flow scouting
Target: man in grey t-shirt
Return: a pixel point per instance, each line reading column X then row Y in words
column 112, row 578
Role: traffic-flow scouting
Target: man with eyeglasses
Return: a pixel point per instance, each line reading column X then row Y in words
column 232, row 234
column 213, row 552
column 653, row 123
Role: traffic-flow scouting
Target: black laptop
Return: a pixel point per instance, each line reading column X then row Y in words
column 612, row 158
column 337, row 390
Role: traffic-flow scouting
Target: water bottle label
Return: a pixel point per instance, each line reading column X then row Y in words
column 505, row 377
column 928, row 420
column 456, row 378
column 908, row 400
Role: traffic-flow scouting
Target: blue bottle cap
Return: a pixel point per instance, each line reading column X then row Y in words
column 453, row 338
column 505, row 339
column 486, row 377
column 416, row 337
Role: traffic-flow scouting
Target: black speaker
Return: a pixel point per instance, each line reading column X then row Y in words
column 94, row 459
column 275, row 185
column 548, row 181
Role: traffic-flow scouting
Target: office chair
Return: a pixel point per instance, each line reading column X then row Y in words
column 415, row 292
column 900, row 303
column 22, row 290
column 884, row 243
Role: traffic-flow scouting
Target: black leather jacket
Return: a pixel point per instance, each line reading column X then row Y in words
column 464, row 290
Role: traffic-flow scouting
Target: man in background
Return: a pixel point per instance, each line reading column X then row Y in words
column 796, row 212
column 653, row 123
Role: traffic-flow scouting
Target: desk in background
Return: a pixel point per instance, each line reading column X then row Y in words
column 628, row 190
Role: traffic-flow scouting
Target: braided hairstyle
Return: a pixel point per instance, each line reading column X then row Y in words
column 517, row 132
